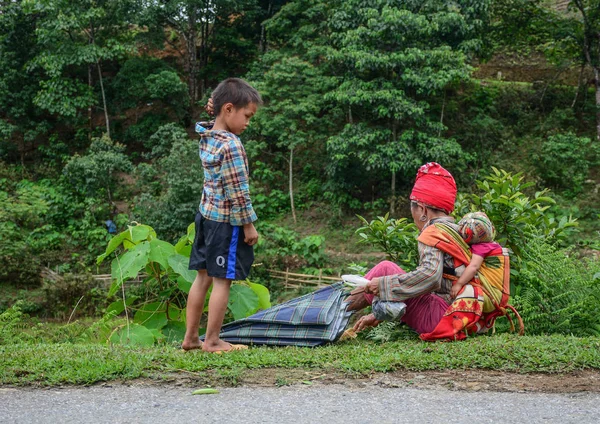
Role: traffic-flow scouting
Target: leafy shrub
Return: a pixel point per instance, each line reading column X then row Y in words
column 172, row 187
column 513, row 213
column 79, row 295
column 12, row 324
column 96, row 174
column 283, row 248
column 564, row 162
column 161, row 142
column 557, row 293
column 160, row 315
column 396, row 237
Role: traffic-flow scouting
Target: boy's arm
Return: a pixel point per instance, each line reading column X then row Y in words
column 235, row 182
column 469, row 273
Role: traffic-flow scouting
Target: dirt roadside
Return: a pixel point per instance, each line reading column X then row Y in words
column 463, row 380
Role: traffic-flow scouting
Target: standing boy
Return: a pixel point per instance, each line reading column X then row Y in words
column 225, row 232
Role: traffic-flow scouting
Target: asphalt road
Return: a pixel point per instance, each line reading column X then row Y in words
column 292, row 404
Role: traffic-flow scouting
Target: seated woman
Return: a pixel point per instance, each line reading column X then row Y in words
column 426, row 291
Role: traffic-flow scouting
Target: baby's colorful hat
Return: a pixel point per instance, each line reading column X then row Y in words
column 435, row 187
column 476, row 227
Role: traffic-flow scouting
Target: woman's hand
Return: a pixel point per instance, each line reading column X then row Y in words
column 364, row 322
column 372, row 287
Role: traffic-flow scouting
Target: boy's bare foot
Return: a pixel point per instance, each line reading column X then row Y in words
column 191, row 345
column 221, row 346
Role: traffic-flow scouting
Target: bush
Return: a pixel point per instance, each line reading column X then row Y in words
column 283, row 248
column 556, row 293
column 80, row 295
column 96, row 174
column 516, row 216
column 564, row 162
column 173, row 189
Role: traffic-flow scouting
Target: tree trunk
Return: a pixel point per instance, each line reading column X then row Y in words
column 578, row 85
column 393, row 199
column 192, row 57
column 291, row 183
column 103, row 99
column 90, row 117
column 262, row 45
column 597, row 84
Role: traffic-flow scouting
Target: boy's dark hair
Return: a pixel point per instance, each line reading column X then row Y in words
column 235, row 91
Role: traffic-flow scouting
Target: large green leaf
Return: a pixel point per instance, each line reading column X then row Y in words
column 118, row 306
column 174, row 331
column 112, row 245
column 151, row 315
column 191, row 232
column 134, row 335
column 243, row 301
column 160, row 251
column 141, row 232
column 128, row 265
column 264, row 297
column 180, row 263
column 183, row 284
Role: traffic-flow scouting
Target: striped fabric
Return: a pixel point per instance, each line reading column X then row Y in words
column 426, row 278
column 226, row 194
column 310, row 320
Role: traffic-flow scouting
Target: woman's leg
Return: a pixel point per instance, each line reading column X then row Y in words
column 423, row 313
column 359, row 300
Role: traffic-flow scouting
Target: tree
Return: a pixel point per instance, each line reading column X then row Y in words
column 219, row 36
column 566, row 35
column 293, row 83
column 76, row 37
column 97, row 173
column 21, row 122
column 393, row 59
column 584, row 30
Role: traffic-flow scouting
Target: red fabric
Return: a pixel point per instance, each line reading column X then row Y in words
column 435, row 187
column 485, row 249
column 460, row 318
column 423, row 313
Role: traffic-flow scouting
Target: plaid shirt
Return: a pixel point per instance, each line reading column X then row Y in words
column 226, row 194
column 426, row 278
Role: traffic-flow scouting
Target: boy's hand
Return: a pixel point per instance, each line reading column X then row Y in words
column 250, row 234
column 209, row 108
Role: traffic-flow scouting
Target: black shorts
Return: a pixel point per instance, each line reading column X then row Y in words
column 219, row 248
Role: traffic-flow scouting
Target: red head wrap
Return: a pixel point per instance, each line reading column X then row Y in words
column 434, row 187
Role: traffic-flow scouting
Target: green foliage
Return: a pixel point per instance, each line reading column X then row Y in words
column 517, row 217
column 396, row 237
column 171, row 187
column 96, row 173
column 282, row 247
column 565, row 160
column 86, row 364
column 144, row 80
column 76, row 35
column 72, row 296
column 557, row 293
column 160, row 315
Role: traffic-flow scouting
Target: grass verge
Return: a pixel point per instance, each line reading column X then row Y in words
column 51, row 364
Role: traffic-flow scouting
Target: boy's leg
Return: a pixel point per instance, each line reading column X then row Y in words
column 217, row 306
column 195, row 307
